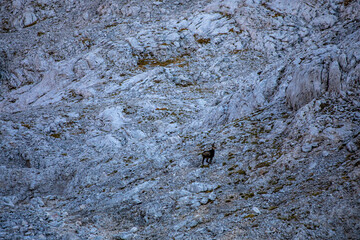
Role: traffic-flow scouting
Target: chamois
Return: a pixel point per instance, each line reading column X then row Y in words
column 208, row 155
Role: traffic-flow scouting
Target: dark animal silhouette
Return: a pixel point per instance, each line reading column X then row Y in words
column 208, row 155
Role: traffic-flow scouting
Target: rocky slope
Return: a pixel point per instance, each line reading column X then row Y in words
column 106, row 106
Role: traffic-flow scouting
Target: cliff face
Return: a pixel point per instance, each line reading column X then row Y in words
column 106, row 106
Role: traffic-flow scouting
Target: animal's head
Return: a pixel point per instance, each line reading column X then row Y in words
column 213, row 146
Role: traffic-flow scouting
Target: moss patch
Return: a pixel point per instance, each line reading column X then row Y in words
column 233, row 168
column 246, row 196
column 153, row 62
column 28, row 126
column 250, row 216
column 55, row 135
column 203, row 40
column 278, row 188
column 263, row 164
column 287, row 218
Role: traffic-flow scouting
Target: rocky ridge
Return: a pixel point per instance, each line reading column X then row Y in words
column 106, row 106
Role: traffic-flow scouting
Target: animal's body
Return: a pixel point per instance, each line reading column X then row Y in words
column 208, row 155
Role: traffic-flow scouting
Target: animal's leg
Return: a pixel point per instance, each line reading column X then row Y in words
column 203, row 161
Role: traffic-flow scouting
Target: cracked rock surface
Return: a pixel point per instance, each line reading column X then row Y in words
column 106, row 107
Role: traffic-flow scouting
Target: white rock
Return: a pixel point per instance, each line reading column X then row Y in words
column 212, row 196
column 173, row 140
column 94, row 60
column 343, row 61
column 7, row 202
column 138, row 134
column 140, row 79
column 334, row 77
column 81, row 68
column 105, row 143
column 135, row 44
column 305, row 85
column 29, row 19
column 16, row 4
column 351, row 146
column 130, row 10
column 204, row 200
column 183, row 163
column 180, row 225
column 198, row 187
column 312, row 165
column 307, row 147
column 256, row 210
column 205, row 25
column 113, row 117
column 324, row 21
column 325, row 153
column 172, row 37
column 85, row 92
column 37, row 201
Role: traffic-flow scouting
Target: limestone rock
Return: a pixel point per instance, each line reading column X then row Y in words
column 324, row 21
column 29, row 19
column 334, row 83
column 198, row 187
column 306, row 85
column 106, row 107
column 351, row 147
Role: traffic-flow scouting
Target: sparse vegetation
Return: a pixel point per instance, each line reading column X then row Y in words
column 246, row 196
column 106, row 113
column 180, row 61
column 55, row 135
